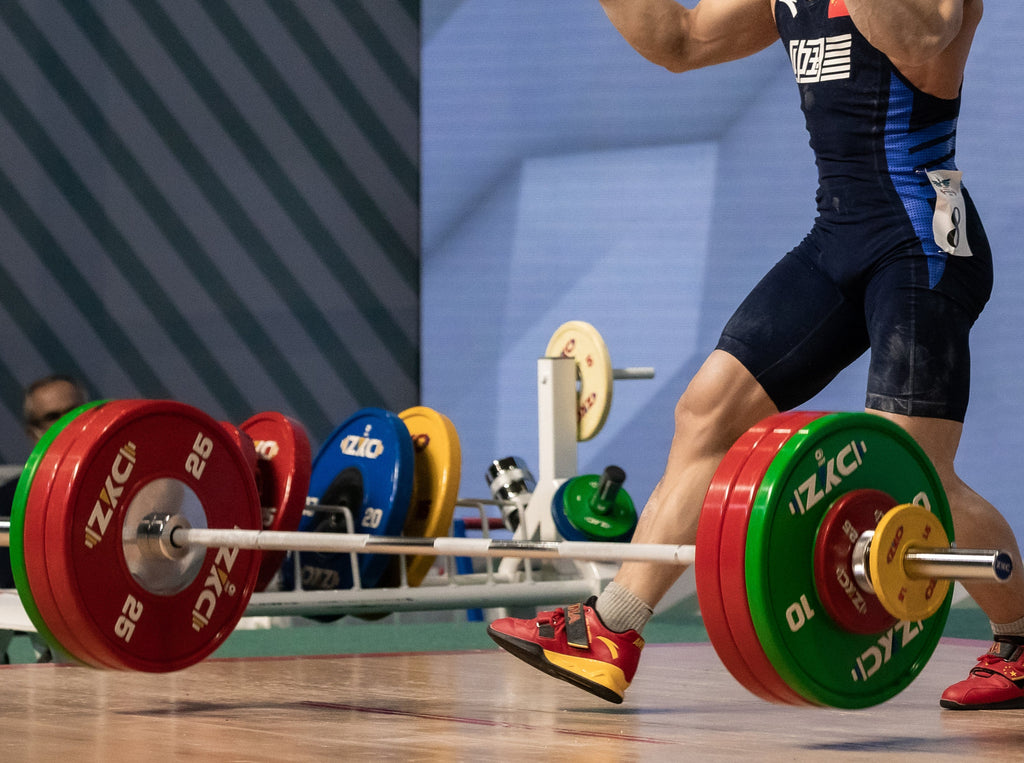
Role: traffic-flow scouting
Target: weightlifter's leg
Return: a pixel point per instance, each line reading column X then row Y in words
column 599, row 650
column 976, row 522
column 721, row 403
column 998, row 679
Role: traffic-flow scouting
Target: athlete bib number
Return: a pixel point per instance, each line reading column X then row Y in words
column 949, row 223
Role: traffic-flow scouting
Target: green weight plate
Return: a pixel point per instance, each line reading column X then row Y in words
column 615, row 525
column 26, row 483
column 822, row 661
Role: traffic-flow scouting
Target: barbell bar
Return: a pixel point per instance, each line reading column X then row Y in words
column 171, row 532
column 633, row 372
column 170, row 536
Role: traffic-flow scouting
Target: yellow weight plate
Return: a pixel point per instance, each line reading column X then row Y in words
column 903, row 527
column 583, row 342
column 435, row 489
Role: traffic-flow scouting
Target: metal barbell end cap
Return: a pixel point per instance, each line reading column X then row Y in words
column 155, row 536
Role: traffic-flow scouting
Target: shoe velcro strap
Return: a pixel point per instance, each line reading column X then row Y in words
column 1012, row 671
column 1006, row 650
column 576, row 631
column 1007, row 670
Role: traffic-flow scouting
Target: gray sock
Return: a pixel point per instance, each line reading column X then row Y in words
column 1016, row 628
column 621, row 610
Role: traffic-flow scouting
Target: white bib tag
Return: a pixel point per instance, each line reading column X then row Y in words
column 949, row 223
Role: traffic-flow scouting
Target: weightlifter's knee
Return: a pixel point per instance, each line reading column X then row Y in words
column 722, row 401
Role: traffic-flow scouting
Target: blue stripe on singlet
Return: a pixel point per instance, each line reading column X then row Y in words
column 909, row 155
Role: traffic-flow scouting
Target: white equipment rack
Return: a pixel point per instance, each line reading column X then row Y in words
column 504, row 583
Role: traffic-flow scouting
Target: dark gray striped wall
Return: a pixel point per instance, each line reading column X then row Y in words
column 215, row 201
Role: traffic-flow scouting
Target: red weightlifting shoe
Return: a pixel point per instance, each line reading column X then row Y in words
column 995, row 683
column 574, row 645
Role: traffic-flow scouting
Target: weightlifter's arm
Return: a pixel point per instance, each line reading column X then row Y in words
column 908, row 31
column 680, row 38
column 928, row 40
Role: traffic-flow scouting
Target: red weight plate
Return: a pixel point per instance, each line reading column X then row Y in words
column 39, row 529
column 59, row 569
column 33, row 532
column 739, row 660
column 285, row 462
column 709, row 593
column 245, row 443
column 849, row 516
column 134, row 610
column 733, row 557
column 37, row 536
column 707, row 559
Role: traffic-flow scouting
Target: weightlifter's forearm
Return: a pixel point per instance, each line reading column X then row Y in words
column 912, row 31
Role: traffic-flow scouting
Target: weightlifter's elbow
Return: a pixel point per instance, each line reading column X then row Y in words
column 920, row 49
column 683, row 54
column 674, row 64
column 669, row 51
column 931, row 34
column 657, row 31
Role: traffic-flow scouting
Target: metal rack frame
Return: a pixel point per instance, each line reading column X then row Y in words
column 510, row 582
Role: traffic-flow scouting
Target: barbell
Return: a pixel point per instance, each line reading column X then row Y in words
column 822, row 558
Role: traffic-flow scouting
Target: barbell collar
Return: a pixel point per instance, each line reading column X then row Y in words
column 155, row 535
column 861, row 556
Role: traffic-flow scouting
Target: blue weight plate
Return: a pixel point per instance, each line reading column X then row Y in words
column 373, row 447
column 565, row 528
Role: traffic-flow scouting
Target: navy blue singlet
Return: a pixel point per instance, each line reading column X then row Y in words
column 897, row 260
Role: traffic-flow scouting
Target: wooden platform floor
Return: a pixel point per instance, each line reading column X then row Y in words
column 472, row 706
